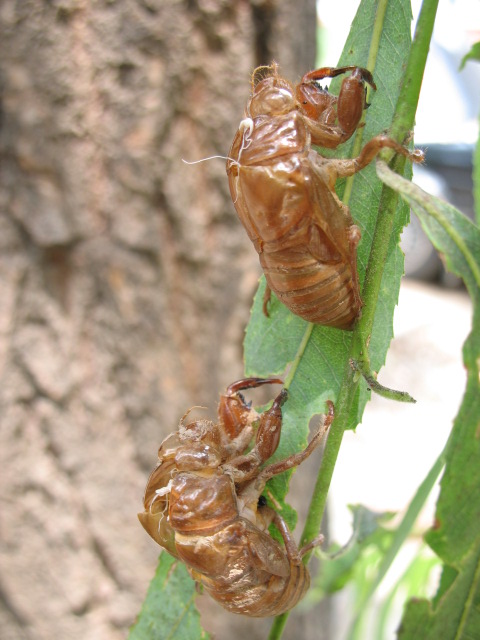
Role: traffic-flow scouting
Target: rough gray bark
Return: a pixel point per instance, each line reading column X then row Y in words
column 125, row 280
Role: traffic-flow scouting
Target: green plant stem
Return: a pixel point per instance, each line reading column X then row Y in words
column 278, row 626
column 360, row 338
column 350, row 381
column 376, row 264
column 402, row 123
column 410, row 92
column 320, row 491
column 329, row 458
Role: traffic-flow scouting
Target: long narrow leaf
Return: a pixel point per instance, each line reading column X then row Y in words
column 272, row 343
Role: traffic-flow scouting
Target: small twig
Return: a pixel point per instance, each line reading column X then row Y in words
column 374, row 385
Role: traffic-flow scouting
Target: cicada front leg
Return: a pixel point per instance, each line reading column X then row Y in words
column 236, row 416
column 244, row 467
column 334, row 118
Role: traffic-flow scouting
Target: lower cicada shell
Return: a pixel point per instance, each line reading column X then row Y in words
column 284, row 190
column 204, row 505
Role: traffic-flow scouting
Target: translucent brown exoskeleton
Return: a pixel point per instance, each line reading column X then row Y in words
column 284, row 191
column 203, row 503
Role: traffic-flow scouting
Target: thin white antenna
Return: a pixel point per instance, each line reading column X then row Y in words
column 210, row 158
column 246, row 126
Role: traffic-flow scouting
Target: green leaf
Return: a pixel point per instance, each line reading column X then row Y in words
column 473, row 54
column 169, row 612
column 456, row 615
column 455, row 537
column 367, row 522
column 319, row 357
column 452, row 233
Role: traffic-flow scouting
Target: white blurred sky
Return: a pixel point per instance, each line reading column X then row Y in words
column 450, row 99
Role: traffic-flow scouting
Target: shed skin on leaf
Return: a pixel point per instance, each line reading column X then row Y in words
column 284, row 191
column 202, row 504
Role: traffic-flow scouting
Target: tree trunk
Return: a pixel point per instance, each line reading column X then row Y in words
column 126, row 278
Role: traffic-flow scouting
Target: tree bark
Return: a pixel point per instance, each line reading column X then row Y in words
column 126, row 278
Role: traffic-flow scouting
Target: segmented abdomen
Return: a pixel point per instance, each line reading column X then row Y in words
column 316, row 291
column 270, row 598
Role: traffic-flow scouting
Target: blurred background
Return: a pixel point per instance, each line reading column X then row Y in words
column 126, row 283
